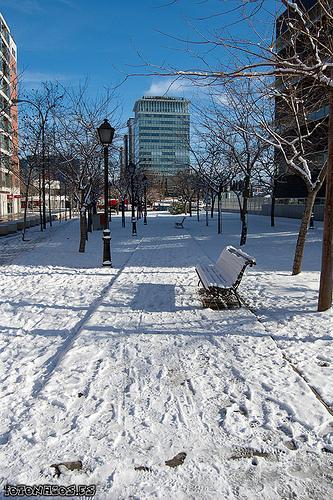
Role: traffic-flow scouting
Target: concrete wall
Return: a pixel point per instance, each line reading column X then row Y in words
column 292, row 211
column 260, row 206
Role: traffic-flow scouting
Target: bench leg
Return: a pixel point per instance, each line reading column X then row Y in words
column 238, row 298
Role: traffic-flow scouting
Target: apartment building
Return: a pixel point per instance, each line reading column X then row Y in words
column 292, row 188
column 160, row 135
column 9, row 164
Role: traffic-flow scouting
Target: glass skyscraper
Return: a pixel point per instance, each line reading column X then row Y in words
column 161, row 134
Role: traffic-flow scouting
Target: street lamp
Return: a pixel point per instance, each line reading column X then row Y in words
column 131, row 171
column 145, row 182
column 105, row 134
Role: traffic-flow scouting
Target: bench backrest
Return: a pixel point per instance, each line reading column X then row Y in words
column 232, row 263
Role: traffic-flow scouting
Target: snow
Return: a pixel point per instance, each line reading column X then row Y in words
column 122, row 367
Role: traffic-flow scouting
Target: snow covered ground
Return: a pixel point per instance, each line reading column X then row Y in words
column 123, row 367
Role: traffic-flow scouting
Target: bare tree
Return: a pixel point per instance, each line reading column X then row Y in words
column 79, row 150
column 232, row 121
column 300, row 46
column 211, row 164
column 300, row 146
column 184, row 187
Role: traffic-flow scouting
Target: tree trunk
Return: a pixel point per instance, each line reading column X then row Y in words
column 246, row 192
column 190, row 207
column 49, row 196
column 213, row 198
column 25, row 215
column 65, row 196
column 303, row 230
column 83, row 230
column 123, row 219
column 273, row 205
column 89, row 228
column 198, row 207
column 244, row 225
column 26, row 205
column 219, row 222
column 326, row 274
column 40, row 202
column 207, row 211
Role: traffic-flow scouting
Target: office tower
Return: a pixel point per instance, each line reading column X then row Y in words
column 9, row 164
column 161, row 135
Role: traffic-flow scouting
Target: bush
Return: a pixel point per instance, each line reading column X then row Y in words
column 177, row 207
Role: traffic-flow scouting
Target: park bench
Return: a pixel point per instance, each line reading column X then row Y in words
column 221, row 280
column 180, row 224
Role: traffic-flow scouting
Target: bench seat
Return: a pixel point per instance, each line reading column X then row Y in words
column 224, row 277
column 210, row 277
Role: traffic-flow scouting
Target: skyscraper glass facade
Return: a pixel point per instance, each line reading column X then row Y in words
column 162, row 134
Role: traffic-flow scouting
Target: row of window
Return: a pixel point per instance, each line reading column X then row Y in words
column 5, row 143
column 4, row 50
column 5, row 88
column 158, row 147
column 4, row 32
column 161, row 106
column 162, row 129
column 178, row 135
column 162, row 141
column 166, row 168
column 5, row 124
column 170, row 116
column 4, row 161
column 173, row 120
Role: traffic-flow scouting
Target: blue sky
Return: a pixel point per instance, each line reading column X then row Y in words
column 105, row 40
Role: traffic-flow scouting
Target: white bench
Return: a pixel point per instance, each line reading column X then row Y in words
column 224, row 277
column 180, row 224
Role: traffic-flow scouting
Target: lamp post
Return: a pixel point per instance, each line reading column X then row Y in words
column 131, row 170
column 106, row 133
column 145, row 182
column 43, row 119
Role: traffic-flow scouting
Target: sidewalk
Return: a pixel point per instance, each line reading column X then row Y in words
column 157, row 375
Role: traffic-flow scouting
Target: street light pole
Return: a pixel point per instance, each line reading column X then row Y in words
column 43, row 172
column 145, row 200
column 106, row 133
column 106, row 233
column 131, row 168
column 106, row 187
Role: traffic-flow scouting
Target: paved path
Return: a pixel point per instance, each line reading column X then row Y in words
column 159, row 375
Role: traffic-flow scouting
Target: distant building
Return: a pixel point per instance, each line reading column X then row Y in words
column 9, row 164
column 160, row 134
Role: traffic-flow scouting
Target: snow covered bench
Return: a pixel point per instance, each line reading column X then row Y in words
column 180, row 224
column 223, row 277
